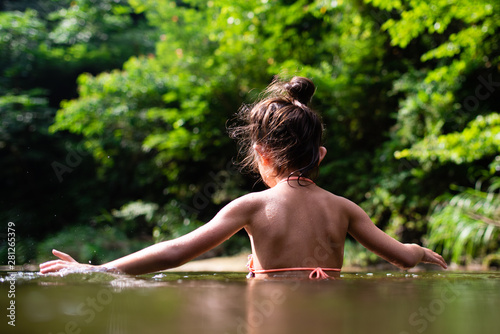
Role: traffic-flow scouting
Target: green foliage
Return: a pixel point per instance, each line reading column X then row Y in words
column 138, row 219
column 89, row 31
column 481, row 138
column 144, row 88
column 206, row 61
column 22, row 34
column 20, row 113
column 83, row 21
column 447, row 112
column 356, row 255
column 110, row 107
column 466, row 226
column 39, row 62
column 90, row 244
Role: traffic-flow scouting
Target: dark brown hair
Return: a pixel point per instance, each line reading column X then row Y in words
column 285, row 126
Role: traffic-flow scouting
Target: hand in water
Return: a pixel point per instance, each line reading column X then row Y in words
column 433, row 257
column 65, row 262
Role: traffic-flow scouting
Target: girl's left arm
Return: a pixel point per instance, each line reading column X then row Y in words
column 404, row 256
column 171, row 253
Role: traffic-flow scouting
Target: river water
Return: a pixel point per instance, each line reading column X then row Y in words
column 379, row 302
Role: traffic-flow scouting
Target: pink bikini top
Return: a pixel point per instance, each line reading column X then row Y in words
column 316, row 273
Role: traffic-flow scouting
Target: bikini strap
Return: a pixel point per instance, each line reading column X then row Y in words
column 298, row 178
column 316, row 273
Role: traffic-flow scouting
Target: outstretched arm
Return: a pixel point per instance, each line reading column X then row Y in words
column 404, row 256
column 171, row 253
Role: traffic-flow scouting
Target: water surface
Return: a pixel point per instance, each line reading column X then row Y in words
column 381, row 302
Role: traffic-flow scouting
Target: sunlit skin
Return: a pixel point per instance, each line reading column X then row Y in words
column 289, row 225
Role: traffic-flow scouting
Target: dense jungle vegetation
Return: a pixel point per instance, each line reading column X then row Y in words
column 113, row 117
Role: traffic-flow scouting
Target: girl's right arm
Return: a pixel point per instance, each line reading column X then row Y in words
column 171, row 253
column 404, row 256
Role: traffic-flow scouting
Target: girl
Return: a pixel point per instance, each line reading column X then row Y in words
column 295, row 227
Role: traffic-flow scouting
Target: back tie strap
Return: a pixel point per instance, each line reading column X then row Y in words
column 318, row 273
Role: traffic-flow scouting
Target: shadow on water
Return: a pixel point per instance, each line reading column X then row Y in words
column 380, row 302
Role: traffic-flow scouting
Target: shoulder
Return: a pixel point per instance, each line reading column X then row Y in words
column 335, row 198
column 246, row 204
column 347, row 206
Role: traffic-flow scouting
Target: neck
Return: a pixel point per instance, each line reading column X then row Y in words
column 299, row 179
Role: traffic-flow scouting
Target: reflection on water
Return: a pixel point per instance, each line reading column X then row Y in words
column 398, row 303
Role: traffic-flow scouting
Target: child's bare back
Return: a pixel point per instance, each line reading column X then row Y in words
column 304, row 226
column 298, row 226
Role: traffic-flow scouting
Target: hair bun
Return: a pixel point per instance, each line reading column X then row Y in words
column 300, row 89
